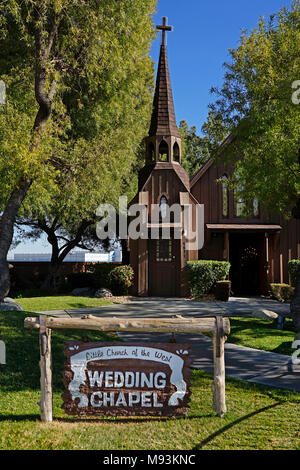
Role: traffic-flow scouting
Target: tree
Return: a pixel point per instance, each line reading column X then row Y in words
column 196, row 150
column 79, row 83
column 77, row 228
column 255, row 105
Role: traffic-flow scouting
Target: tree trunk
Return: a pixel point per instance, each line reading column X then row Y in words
column 7, row 222
column 125, row 252
column 54, row 277
column 295, row 303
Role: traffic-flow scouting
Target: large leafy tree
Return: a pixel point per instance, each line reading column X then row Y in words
column 79, row 84
column 70, row 220
column 195, row 149
column 256, row 105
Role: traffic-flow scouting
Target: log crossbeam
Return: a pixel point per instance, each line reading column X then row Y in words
column 161, row 325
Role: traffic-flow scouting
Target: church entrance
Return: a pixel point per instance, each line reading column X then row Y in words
column 162, row 268
column 246, row 256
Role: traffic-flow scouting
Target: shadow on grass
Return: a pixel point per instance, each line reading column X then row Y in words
column 234, row 423
column 284, row 348
column 261, row 329
column 133, row 420
column 28, row 417
column 22, row 371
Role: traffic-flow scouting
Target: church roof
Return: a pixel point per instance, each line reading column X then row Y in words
column 163, row 121
column 146, row 172
column 195, row 178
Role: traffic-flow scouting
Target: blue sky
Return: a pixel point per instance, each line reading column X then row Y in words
column 197, row 48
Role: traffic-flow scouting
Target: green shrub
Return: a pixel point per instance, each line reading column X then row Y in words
column 75, row 280
column 293, row 269
column 120, row 279
column 204, row 274
column 222, row 290
column 101, row 273
column 282, row 292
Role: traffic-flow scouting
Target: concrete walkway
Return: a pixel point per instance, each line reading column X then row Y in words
column 253, row 365
column 163, row 307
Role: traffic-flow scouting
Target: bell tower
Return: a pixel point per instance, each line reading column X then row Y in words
column 163, row 143
column 159, row 262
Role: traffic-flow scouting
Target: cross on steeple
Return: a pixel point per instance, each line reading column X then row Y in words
column 164, row 27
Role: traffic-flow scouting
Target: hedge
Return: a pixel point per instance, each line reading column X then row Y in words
column 75, row 280
column 282, row 292
column 204, row 274
column 120, row 279
column 222, row 290
column 101, row 273
column 293, row 268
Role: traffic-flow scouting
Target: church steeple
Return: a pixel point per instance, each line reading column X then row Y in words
column 163, row 143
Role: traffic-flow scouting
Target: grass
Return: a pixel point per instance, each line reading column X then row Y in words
column 63, row 302
column 258, row 417
column 262, row 334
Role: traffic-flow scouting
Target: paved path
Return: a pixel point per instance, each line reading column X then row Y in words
column 162, row 307
column 253, row 365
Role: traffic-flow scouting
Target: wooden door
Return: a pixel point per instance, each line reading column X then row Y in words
column 162, row 268
column 245, row 259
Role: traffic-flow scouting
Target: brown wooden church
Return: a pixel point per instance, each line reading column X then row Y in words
column 258, row 248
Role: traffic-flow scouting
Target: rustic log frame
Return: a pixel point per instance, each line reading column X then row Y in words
column 218, row 327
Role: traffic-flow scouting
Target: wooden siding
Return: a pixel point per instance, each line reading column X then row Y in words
column 283, row 246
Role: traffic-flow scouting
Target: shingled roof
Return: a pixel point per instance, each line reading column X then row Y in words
column 163, row 121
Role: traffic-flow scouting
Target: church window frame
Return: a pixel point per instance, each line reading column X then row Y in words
column 239, row 203
column 225, row 197
column 151, row 152
column 176, row 152
column 163, row 152
column 164, row 251
column 163, row 207
column 256, row 208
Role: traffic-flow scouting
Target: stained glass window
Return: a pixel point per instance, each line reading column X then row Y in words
column 225, row 199
column 255, row 207
column 239, row 202
column 163, row 205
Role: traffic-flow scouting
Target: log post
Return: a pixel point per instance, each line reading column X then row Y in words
column 218, row 385
column 46, row 371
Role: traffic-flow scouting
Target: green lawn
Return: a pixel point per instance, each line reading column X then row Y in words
column 258, row 417
column 262, row 334
column 63, row 302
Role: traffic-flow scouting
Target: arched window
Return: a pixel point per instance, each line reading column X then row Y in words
column 225, row 196
column 151, row 152
column 239, row 202
column 163, row 206
column 176, row 153
column 163, row 151
column 255, row 207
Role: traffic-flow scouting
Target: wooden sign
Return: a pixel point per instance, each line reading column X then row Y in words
column 126, row 379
